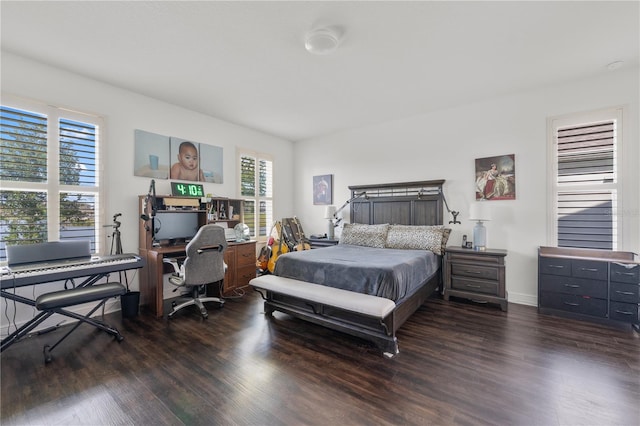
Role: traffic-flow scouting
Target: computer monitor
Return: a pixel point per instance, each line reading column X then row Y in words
column 175, row 226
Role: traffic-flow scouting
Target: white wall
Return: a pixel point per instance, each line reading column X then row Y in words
column 444, row 144
column 441, row 144
column 125, row 111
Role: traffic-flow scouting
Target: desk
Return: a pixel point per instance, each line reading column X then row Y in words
column 240, row 259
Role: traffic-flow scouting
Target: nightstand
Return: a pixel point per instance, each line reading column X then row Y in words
column 475, row 275
column 322, row 242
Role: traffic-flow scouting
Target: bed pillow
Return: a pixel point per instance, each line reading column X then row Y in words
column 432, row 238
column 359, row 234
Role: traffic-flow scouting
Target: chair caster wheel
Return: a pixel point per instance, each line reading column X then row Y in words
column 174, row 304
column 119, row 338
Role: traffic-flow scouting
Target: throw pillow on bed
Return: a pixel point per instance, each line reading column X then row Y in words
column 432, row 238
column 359, row 234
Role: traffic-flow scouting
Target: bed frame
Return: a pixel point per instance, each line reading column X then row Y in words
column 408, row 203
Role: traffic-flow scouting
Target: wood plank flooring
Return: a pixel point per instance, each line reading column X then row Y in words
column 459, row 363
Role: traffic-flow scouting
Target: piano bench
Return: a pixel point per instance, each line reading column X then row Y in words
column 77, row 296
column 54, row 302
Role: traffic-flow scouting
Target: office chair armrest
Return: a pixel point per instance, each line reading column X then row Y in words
column 173, row 262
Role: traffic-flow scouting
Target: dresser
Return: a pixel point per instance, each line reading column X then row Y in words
column 600, row 285
column 241, row 266
column 476, row 275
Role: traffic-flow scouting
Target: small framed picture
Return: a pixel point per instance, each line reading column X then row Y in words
column 323, row 190
column 468, row 244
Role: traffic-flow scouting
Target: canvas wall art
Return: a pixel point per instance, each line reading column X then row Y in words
column 496, row 178
column 168, row 157
column 323, row 190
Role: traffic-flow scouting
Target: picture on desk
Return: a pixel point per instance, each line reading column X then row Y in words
column 166, row 157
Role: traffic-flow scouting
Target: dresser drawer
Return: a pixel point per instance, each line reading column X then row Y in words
column 589, row 269
column 576, row 304
column 245, row 274
column 245, row 255
column 553, row 266
column 577, row 286
column 627, row 312
column 623, row 292
column 629, row 273
column 474, row 286
column 475, row 271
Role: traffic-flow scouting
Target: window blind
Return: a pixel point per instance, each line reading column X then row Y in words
column 586, row 163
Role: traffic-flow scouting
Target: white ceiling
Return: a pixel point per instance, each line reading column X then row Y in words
column 245, row 62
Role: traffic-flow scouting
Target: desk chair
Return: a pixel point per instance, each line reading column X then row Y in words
column 203, row 265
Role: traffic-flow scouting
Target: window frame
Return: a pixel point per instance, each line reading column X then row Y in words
column 52, row 187
column 555, row 123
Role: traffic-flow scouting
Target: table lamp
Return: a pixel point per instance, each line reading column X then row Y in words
column 480, row 213
column 329, row 213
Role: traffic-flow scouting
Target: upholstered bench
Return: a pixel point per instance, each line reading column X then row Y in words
column 365, row 304
column 57, row 300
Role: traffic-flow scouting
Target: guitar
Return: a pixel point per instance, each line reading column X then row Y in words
column 302, row 240
column 280, row 249
column 265, row 253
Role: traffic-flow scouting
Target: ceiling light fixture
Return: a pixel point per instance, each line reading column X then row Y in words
column 322, row 41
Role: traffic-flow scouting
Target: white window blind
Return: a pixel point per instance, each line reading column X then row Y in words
column 49, row 175
column 256, row 188
column 586, row 182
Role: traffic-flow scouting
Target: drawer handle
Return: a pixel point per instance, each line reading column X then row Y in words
column 572, row 285
column 571, row 304
column 626, row 293
column 472, row 286
column 556, row 266
column 623, row 312
column 472, row 272
column 589, row 269
column 629, row 274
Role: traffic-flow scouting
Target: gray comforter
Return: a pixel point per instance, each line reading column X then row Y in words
column 393, row 274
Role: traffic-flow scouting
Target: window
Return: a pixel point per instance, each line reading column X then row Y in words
column 256, row 189
column 49, row 175
column 585, row 182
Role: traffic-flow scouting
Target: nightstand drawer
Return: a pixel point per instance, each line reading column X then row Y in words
column 474, row 286
column 627, row 312
column 622, row 292
column 576, row 304
column 475, row 271
column 577, row 286
column 624, row 273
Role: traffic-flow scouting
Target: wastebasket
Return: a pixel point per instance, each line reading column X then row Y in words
column 129, row 304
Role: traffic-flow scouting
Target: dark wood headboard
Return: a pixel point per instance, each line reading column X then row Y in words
column 406, row 203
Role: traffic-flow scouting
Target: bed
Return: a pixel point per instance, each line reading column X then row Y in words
column 388, row 262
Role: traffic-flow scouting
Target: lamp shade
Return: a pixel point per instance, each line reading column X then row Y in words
column 329, row 211
column 479, row 211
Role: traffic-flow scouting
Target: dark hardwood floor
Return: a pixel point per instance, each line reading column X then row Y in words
column 459, row 363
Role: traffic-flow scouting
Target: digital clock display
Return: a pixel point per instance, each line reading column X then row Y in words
column 187, row 189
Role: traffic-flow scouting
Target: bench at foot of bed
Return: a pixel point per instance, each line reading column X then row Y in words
column 361, row 315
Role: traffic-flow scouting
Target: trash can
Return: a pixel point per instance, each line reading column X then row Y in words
column 129, row 304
